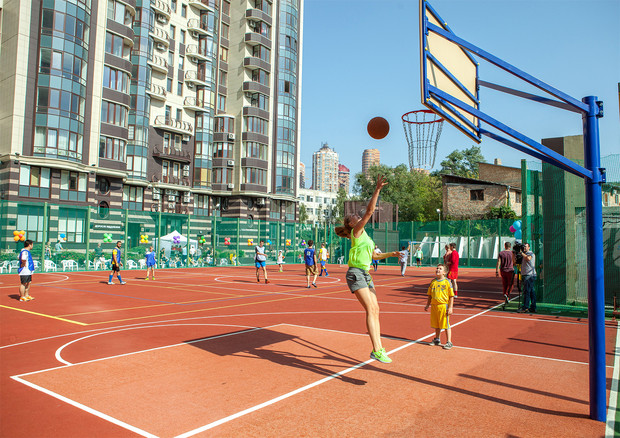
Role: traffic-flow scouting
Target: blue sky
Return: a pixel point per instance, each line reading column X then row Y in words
column 361, row 60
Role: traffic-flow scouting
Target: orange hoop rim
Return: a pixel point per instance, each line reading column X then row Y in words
column 414, row 122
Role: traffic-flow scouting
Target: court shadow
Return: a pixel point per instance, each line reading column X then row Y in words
column 487, row 397
column 260, row 344
column 14, row 296
column 554, row 345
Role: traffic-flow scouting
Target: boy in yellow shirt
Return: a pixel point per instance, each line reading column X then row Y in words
column 441, row 300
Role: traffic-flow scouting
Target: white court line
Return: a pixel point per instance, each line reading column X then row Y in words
column 85, row 408
column 613, row 394
column 309, row 386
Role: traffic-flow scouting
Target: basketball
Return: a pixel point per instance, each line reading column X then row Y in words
column 378, row 128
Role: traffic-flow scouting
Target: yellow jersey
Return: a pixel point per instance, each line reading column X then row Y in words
column 440, row 291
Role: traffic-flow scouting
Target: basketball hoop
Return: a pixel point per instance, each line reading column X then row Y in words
column 422, row 147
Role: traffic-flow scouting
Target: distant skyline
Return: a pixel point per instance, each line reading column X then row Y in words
column 361, row 60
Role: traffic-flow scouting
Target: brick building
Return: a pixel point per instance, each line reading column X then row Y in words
column 470, row 198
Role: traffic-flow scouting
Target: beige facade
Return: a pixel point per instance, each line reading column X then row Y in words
column 370, row 157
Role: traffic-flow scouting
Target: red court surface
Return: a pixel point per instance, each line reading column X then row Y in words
column 209, row 352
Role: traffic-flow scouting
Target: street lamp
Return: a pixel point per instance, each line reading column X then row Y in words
column 439, row 239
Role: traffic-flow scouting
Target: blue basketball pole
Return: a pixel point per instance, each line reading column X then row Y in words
column 596, row 291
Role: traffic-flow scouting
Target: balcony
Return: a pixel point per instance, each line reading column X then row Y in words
column 157, row 92
column 160, row 36
column 204, row 5
column 255, row 38
column 161, row 7
column 254, row 63
column 198, row 26
column 178, row 126
column 255, row 87
column 197, row 78
column 195, row 104
column 194, row 52
column 159, row 63
column 258, row 15
column 172, row 154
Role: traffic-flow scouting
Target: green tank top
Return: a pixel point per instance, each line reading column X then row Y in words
column 360, row 255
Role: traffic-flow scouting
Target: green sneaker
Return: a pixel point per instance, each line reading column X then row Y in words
column 381, row 356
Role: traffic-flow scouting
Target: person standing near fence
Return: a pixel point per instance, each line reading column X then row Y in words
column 375, row 261
column 25, row 271
column 323, row 256
column 260, row 261
column 528, row 276
column 402, row 259
column 453, row 272
column 150, row 263
column 116, row 263
column 418, row 256
column 280, row 259
column 506, row 268
column 358, row 276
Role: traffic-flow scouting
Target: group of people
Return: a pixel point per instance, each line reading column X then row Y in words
column 402, row 258
column 441, row 292
column 514, row 261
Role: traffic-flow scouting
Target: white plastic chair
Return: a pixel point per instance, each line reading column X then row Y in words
column 131, row 264
column 69, row 265
column 37, row 265
column 142, row 264
column 49, row 266
column 5, row 266
column 13, row 264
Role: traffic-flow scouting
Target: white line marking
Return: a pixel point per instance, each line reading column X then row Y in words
column 86, row 408
column 613, row 393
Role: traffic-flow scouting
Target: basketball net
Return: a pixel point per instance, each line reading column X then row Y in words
column 422, row 130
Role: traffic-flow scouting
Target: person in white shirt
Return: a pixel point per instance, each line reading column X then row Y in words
column 280, row 259
column 375, row 262
column 323, row 256
column 260, row 261
column 402, row 259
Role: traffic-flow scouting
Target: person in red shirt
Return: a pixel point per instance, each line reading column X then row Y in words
column 505, row 268
column 453, row 273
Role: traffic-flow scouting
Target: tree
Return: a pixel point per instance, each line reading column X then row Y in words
column 463, row 163
column 338, row 213
column 417, row 194
column 503, row 212
column 303, row 213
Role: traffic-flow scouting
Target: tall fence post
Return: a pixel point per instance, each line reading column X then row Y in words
column 159, row 239
column 45, row 225
column 88, row 238
column 188, row 244
column 125, row 236
column 468, row 242
column 238, row 237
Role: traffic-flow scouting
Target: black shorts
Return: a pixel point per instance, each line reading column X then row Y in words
column 25, row 279
column 116, row 268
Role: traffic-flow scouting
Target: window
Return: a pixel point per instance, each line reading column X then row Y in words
column 73, row 186
column 133, row 197
column 34, row 182
column 104, row 186
column 119, row 12
column 182, row 38
column 224, row 54
column 113, row 113
column 181, row 62
column 177, row 143
column 180, row 88
column 222, row 175
column 225, row 30
column 183, row 11
column 30, row 219
column 221, row 102
column 112, row 148
column 115, row 45
column 169, row 86
column 258, row 100
column 115, row 79
column 517, row 197
column 103, row 210
column 173, row 30
column 255, row 124
column 201, row 205
column 71, row 223
column 222, row 150
column 173, row 5
column 252, row 175
column 223, row 78
column 179, row 114
column 476, row 195
column 166, row 144
column 253, row 149
column 260, row 76
column 224, row 124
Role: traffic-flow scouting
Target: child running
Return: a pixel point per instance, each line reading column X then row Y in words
column 323, row 256
column 310, row 260
column 280, row 259
column 358, row 276
column 150, row 263
column 116, row 263
column 441, row 300
column 260, row 261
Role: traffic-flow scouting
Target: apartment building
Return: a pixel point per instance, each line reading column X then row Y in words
column 183, row 106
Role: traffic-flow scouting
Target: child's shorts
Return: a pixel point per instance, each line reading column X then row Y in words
column 439, row 316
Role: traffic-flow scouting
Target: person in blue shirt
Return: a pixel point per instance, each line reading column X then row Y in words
column 25, row 271
column 150, row 263
column 310, row 261
column 116, row 263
